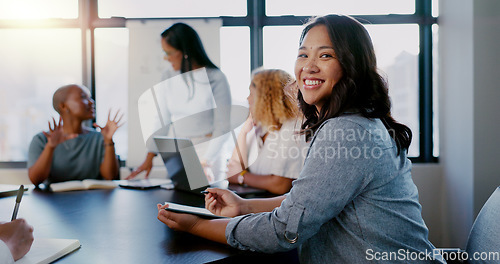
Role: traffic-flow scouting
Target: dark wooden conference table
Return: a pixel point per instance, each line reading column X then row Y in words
column 120, row 226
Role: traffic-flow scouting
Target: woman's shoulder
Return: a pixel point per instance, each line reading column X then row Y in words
column 40, row 137
column 352, row 121
column 215, row 73
column 353, row 125
column 293, row 123
column 213, row 70
column 291, row 126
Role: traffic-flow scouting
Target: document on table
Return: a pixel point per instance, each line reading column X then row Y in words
column 86, row 184
column 47, row 250
column 179, row 208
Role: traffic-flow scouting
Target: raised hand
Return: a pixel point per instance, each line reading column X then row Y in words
column 111, row 126
column 224, row 202
column 56, row 135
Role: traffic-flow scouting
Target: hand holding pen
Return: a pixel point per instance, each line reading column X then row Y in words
column 17, row 234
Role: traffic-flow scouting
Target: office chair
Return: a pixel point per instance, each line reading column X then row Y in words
column 484, row 237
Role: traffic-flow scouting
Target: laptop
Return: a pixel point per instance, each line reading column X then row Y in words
column 143, row 184
column 176, row 152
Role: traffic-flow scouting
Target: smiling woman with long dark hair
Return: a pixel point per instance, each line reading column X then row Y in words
column 355, row 200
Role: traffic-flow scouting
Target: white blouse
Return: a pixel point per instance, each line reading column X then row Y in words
column 282, row 153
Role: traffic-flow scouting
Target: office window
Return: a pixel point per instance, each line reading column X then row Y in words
column 435, row 91
column 352, row 7
column 235, row 61
column 396, row 48
column 111, row 54
column 281, row 44
column 34, row 64
column 171, row 8
column 52, row 57
column 36, row 9
column 435, row 8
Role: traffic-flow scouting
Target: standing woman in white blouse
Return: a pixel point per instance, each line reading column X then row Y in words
column 272, row 152
column 185, row 52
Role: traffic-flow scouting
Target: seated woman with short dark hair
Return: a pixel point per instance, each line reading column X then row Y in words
column 69, row 150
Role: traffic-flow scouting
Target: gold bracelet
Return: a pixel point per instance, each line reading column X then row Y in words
column 109, row 144
column 241, row 177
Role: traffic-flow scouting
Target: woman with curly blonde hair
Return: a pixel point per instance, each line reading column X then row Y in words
column 269, row 153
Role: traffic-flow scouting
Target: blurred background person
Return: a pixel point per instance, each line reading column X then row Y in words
column 70, row 150
column 186, row 54
column 272, row 152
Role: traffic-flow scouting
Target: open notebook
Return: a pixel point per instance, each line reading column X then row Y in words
column 87, row 184
column 47, row 250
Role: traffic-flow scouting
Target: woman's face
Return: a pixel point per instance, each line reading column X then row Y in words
column 79, row 104
column 317, row 69
column 172, row 55
column 251, row 97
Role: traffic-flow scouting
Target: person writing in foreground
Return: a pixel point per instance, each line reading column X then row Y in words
column 355, row 196
column 272, row 154
column 16, row 238
column 69, row 150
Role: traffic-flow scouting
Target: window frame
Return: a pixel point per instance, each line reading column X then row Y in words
column 256, row 19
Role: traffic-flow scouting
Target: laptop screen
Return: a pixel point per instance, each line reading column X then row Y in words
column 185, row 170
column 182, row 163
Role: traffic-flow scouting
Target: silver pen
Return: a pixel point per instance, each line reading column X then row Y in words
column 18, row 201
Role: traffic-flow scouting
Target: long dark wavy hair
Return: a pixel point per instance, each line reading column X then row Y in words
column 184, row 38
column 361, row 88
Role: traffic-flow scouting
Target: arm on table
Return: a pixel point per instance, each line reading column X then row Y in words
column 271, row 183
column 146, row 166
column 226, row 203
column 210, row 229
